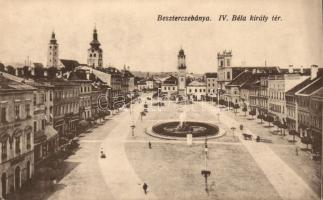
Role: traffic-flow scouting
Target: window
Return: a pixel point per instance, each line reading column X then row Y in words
column 35, row 99
column 35, row 126
column 4, row 150
column 50, row 96
column 27, row 110
column 17, row 145
column 28, row 140
column 3, row 115
column 43, row 124
column 228, row 75
column 17, row 111
column 173, row 88
column 228, row 62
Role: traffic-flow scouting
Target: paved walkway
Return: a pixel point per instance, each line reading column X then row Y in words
column 118, row 173
column 287, row 183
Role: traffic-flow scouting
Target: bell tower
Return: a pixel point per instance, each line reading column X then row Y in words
column 181, row 67
column 94, row 53
column 52, row 56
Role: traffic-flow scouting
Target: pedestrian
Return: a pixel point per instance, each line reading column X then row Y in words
column 258, row 139
column 149, row 145
column 145, row 187
column 296, row 151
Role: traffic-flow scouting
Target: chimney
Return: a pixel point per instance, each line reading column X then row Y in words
column 314, row 70
column 290, row 69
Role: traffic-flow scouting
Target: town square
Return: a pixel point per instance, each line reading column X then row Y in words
column 106, row 103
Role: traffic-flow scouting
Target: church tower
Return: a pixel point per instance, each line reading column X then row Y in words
column 52, row 57
column 181, row 67
column 94, row 53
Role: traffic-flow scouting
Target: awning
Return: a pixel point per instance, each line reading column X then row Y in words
column 50, row 132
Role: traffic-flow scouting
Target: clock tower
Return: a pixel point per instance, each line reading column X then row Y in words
column 181, row 67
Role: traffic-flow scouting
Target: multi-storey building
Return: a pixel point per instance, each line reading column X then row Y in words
column 196, row 90
column 169, row 86
column 211, row 84
column 263, row 96
column 278, row 85
column 85, row 90
column 45, row 136
column 65, row 108
column 227, row 71
column 316, row 113
column 16, row 135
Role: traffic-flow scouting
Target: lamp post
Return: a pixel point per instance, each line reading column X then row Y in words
column 206, row 173
column 133, row 130
column 233, row 129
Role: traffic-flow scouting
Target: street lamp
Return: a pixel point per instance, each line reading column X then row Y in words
column 233, row 129
column 133, row 130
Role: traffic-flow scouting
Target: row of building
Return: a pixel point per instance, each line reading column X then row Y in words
column 42, row 108
column 291, row 96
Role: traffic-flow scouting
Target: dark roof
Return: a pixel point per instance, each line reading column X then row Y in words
column 170, row 80
column 312, row 87
column 70, row 64
column 318, row 94
column 298, row 87
column 7, row 84
column 40, row 65
column 241, row 79
column 211, row 75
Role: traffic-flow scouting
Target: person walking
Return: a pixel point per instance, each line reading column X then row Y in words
column 145, row 187
column 149, row 145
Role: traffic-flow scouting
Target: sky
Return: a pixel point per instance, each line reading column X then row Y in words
column 131, row 35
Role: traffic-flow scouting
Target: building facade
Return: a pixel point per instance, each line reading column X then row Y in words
column 16, row 135
column 196, row 91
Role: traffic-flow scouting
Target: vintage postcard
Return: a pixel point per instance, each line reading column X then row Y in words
column 167, row 100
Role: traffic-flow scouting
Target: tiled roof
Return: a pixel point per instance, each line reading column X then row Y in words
column 298, row 87
column 312, row 87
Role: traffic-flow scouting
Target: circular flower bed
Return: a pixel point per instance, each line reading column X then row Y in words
column 197, row 129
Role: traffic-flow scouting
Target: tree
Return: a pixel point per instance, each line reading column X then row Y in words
column 307, row 141
column 236, row 107
column 244, row 109
column 51, row 72
column 11, row 70
column 269, row 119
column 293, row 133
column 252, row 113
column 261, row 117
